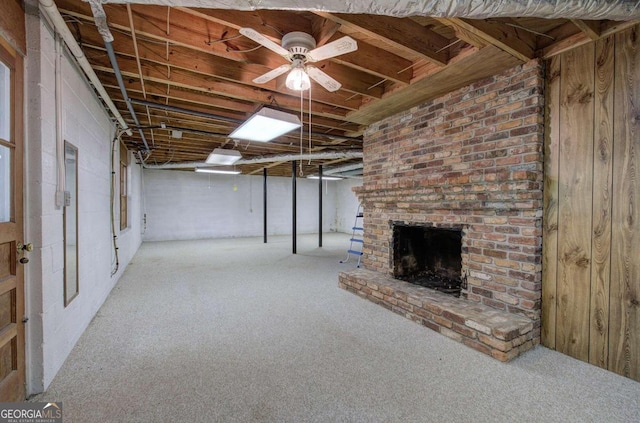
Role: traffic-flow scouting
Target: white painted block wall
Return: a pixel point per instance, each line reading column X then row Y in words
column 53, row 329
column 346, row 205
column 190, row 205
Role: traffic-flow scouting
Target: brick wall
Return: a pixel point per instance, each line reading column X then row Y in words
column 473, row 157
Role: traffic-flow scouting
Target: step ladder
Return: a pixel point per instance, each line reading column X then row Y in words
column 356, row 242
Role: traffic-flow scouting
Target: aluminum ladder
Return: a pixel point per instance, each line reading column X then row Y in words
column 356, row 242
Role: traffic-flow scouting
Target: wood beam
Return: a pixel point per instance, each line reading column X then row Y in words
column 520, row 44
column 274, row 24
column 208, row 84
column 322, row 29
column 225, row 67
column 151, row 23
column 486, row 62
column 581, row 38
column 400, row 33
column 157, row 92
column 185, row 58
column 190, row 99
column 322, row 128
column 376, row 61
column 590, row 28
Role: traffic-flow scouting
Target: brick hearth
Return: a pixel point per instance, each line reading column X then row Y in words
column 472, row 159
column 496, row 333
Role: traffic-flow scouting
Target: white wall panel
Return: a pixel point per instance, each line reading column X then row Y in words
column 54, row 329
column 189, row 205
column 346, row 204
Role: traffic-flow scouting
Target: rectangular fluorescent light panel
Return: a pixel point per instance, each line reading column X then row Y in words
column 266, row 124
column 214, row 170
column 220, row 156
column 325, row 178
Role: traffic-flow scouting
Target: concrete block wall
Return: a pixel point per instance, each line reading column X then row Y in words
column 190, row 205
column 346, row 204
column 54, row 329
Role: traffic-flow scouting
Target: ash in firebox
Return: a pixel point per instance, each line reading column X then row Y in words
column 430, row 279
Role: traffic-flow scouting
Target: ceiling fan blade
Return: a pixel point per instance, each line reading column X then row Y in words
column 335, row 48
column 261, row 39
column 272, row 74
column 323, row 79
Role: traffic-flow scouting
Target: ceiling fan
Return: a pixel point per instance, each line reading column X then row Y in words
column 299, row 48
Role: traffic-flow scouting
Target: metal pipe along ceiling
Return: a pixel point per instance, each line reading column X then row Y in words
column 100, row 18
column 123, row 90
column 267, row 159
column 346, row 168
column 622, row 10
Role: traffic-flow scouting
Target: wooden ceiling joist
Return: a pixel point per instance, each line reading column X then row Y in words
column 591, row 28
column 400, row 33
column 148, row 25
column 196, row 59
column 486, row 62
column 518, row 43
column 185, row 59
column 207, row 84
column 274, row 25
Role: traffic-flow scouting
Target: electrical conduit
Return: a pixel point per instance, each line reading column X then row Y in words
column 50, row 9
column 100, row 18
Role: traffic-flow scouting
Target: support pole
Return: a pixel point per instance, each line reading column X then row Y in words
column 293, row 208
column 264, row 206
column 320, row 206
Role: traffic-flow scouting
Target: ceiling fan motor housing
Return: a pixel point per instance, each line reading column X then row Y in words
column 298, row 43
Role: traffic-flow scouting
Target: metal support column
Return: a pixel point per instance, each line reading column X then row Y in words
column 320, row 206
column 264, row 206
column 293, row 207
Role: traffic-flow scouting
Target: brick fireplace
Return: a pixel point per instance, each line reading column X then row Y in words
column 471, row 162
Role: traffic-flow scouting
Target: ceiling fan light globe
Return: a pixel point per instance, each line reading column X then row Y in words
column 298, row 80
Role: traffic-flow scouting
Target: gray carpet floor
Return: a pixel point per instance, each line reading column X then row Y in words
column 239, row 331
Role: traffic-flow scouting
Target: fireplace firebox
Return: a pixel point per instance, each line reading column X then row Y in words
column 428, row 256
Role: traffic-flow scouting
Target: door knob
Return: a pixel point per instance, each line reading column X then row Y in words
column 24, row 260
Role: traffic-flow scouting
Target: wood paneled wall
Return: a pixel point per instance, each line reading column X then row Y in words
column 591, row 237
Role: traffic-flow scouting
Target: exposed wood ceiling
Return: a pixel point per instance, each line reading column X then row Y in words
column 195, row 59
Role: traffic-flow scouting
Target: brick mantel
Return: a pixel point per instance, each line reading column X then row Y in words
column 472, row 158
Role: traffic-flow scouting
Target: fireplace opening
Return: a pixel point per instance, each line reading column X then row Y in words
column 427, row 256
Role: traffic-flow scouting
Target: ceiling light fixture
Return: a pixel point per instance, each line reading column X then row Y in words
column 298, row 79
column 221, row 156
column 325, row 178
column 214, row 170
column 265, row 125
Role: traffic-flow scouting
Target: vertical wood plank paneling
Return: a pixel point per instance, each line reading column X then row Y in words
column 601, row 230
column 574, row 210
column 591, row 234
column 624, row 329
column 550, row 219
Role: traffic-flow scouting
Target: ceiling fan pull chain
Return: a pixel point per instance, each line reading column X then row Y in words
column 310, row 129
column 301, row 126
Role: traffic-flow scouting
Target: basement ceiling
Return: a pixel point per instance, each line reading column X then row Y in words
column 195, row 59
